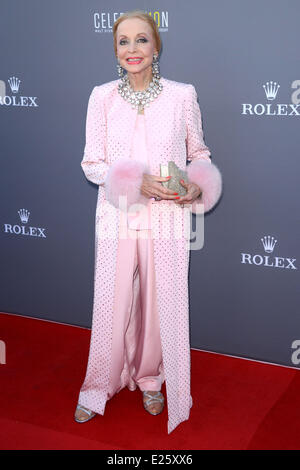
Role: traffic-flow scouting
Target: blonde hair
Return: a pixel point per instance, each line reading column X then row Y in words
column 143, row 16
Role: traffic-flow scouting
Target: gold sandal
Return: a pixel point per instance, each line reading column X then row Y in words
column 158, row 397
column 90, row 413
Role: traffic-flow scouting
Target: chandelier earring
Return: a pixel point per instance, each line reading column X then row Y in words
column 155, row 67
column 120, row 69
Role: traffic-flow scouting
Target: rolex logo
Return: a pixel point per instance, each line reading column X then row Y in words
column 14, row 84
column 271, row 89
column 268, row 243
column 270, row 107
column 14, row 99
column 22, row 229
column 24, row 215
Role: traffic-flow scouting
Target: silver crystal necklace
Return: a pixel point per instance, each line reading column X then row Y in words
column 139, row 99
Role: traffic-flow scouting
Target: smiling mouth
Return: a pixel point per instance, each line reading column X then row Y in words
column 134, row 60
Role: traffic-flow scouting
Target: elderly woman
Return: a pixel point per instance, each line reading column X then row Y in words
column 140, row 327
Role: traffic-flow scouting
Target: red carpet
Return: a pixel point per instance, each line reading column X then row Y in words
column 238, row 404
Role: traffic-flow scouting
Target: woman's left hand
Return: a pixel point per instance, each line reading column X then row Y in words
column 193, row 191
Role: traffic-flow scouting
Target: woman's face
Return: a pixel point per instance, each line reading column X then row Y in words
column 135, row 40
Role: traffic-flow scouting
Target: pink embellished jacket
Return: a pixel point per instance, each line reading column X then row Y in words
column 173, row 132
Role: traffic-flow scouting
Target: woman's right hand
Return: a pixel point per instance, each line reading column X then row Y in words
column 152, row 187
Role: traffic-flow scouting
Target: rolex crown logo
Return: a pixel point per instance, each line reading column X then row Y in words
column 268, row 243
column 271, row 89
column 24, row 215
column 14, row 84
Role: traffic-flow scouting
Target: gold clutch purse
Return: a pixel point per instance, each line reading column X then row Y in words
column 171, row 169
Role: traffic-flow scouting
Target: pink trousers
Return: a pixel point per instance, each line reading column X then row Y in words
column 136, row 344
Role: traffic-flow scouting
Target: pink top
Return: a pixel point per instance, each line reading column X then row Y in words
column 139, row 220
